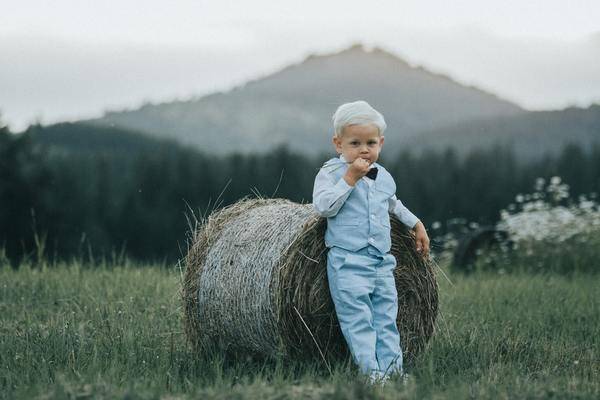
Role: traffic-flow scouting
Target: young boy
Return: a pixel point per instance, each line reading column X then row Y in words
column 355, row 194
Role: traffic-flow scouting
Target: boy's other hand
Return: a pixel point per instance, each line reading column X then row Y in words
column 357, row 169
column 421, row 239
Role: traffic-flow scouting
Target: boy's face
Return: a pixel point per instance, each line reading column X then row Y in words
column 359, row 141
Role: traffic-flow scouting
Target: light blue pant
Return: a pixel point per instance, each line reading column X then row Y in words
column 366, row 303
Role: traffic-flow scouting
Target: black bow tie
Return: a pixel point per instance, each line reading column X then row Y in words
column 372, row 173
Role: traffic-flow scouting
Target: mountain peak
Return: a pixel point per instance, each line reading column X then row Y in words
column 359, row 51
column 294, row 105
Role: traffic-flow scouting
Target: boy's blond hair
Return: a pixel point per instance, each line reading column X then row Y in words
column 357, row 113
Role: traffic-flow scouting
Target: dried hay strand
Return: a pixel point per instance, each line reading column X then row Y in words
column 256, row 283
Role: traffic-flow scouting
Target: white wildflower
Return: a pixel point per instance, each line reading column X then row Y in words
column 540, row 220
column 539, row 184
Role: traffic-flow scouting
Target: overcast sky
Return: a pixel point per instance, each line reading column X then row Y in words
column 64, row 59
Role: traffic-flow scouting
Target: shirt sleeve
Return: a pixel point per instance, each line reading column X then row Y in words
column 404, row 215
column 329, row 196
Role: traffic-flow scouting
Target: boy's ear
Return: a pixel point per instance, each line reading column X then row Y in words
column 381, row 139
column 337, row 144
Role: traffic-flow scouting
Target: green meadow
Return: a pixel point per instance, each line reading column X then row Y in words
column 115, row 331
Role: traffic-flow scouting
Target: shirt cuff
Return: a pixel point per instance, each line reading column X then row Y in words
column 413, row 222
column 409, row 219
column 343, row 186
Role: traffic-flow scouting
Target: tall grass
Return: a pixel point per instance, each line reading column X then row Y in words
column 579, row 254
column 70, row 331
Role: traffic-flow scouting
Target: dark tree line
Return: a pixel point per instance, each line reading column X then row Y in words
column 128, row 193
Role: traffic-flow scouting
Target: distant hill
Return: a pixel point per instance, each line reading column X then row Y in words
column 532, row 135
column 295, row 105
column 86, row 139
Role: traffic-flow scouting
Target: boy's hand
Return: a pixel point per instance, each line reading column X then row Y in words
column 422, row 240
column 356, row 170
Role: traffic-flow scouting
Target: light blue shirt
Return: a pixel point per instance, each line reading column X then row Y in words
column 358, row 216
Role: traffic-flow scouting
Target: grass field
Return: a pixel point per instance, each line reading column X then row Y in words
column 106, row 332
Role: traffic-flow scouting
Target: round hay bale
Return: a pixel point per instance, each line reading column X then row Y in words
column 256, row 283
